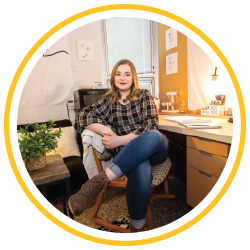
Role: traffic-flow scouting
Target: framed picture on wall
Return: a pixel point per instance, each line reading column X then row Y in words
column 171, row 38
column 172, row 63
column 85, row 50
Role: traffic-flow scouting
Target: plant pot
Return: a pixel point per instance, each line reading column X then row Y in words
column 37, row 164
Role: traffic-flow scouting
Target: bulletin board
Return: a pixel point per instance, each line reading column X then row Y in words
column 178, row 81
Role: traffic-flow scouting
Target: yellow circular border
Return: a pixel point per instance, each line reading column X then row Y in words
column 125, row 7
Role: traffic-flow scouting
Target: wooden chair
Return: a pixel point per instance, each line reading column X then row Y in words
column 159, row 173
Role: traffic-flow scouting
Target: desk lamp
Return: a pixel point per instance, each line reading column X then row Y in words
column 212, row 87
column 214, row 76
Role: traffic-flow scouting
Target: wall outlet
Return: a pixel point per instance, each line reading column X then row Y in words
column 74, row 67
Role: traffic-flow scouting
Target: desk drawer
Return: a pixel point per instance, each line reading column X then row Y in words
column 206, row 162
column 199, row 184
column 210, row 146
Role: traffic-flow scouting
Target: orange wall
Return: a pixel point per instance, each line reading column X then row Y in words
column 178, row 81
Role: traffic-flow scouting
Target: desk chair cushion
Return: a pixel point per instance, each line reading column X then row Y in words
column 160, row 172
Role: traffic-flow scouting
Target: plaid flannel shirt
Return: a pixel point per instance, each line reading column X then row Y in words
column 135, row 117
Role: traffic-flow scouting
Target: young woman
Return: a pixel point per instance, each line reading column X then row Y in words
column 134, row 139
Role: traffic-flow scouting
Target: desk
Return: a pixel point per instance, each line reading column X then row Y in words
column 55, row 172
column 206, row 152
column 224, row 134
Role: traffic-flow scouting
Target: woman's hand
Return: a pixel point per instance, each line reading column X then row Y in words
column 114, row 142
column 111, row 140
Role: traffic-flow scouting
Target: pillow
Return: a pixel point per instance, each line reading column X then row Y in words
column 67, row 143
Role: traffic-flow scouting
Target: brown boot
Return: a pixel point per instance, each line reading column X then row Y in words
column 134, row 230
column 79, row 201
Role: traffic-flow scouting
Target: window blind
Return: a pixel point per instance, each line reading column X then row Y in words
column 129, row 38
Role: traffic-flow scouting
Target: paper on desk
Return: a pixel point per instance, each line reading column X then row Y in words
column 201, row 126
column 186, row 119
column 192, row 122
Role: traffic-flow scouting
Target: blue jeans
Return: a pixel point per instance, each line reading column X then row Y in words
column 135, row 160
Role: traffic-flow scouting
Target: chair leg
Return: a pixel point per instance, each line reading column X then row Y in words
column 97, row 204
column 148, row 219
column 148, row 216
column 166, row 189
column 166, row 195
column 102, row 222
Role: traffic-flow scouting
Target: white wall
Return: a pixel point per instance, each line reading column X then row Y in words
column 48, row 87
column 88, row 72
column 200, row 69
column 30, row 108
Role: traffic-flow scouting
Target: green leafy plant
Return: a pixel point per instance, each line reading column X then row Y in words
column 43, row 139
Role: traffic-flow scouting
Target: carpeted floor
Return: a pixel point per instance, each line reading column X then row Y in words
column 114, row 207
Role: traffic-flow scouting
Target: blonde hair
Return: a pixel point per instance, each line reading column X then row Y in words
column 114, row 94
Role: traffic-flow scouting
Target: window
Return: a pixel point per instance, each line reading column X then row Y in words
column 135, row 39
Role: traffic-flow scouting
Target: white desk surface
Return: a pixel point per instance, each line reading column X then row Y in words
column 223, row 134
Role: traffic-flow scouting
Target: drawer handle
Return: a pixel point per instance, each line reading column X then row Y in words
column 203, row 153
column 204, row 140
column 208, row 176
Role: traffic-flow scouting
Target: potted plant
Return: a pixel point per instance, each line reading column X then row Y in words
column 34, row 145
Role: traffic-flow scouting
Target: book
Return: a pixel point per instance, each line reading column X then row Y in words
column 192, row 122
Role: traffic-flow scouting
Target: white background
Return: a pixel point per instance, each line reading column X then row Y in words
column 23, row 23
